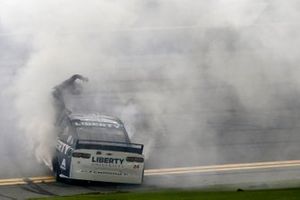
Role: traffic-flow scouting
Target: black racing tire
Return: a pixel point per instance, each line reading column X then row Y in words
column 56, row 170
column 143, row 175
column 57, row 177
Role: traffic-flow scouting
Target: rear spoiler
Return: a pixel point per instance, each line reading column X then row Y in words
column 110, row 146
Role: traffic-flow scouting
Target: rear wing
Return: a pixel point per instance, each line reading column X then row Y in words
column 110, row 146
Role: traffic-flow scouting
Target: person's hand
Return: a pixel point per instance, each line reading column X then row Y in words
column 78, row 76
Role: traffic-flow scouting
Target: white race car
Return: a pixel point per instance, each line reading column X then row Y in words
column 94, row 147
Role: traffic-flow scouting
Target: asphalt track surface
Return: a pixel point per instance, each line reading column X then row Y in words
column 237, row 149
column 228, row 177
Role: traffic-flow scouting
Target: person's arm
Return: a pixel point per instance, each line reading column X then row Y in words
column 78, row 76
column 70, row 81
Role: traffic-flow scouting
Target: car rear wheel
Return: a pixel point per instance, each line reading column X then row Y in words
column 56, row 170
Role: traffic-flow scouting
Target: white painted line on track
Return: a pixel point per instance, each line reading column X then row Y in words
column 174, row 171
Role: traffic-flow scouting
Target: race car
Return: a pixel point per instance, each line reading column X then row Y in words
column 96, row 147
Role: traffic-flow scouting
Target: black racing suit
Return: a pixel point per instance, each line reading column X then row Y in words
column 58, row 95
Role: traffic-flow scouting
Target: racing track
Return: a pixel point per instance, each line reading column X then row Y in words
column 245, row 175
column 174, row 171
column 232, row 134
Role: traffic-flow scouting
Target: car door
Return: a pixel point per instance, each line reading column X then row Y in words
column 65, row 149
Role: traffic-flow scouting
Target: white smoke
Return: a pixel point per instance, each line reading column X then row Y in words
column 167, row 63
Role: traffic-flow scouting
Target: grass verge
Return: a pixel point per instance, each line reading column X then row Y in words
column 287, row 194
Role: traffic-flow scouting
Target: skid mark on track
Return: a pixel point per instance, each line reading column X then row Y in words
column 22, row 181
column 7, row 197
column 35, row 188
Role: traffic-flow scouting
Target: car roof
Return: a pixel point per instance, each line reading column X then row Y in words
column 94, row 117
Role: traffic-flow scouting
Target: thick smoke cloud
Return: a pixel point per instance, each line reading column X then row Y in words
column 180, row 74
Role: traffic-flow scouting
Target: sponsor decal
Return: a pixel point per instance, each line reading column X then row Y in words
column 107, row 160
column 63, row 164
column 97, row 124
column 63, row 147
column 105, row 173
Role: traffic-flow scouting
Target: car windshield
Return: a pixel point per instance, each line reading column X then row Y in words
column 101, row 133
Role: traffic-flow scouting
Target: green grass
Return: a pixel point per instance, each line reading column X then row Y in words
column 288, row 194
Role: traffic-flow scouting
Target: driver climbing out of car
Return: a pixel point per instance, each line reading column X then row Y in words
column 68, row 86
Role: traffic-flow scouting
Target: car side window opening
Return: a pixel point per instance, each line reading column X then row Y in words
column 66, row 133
column 63, row 137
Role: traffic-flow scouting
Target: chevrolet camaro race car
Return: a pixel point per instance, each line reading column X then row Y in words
column 94, row 147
